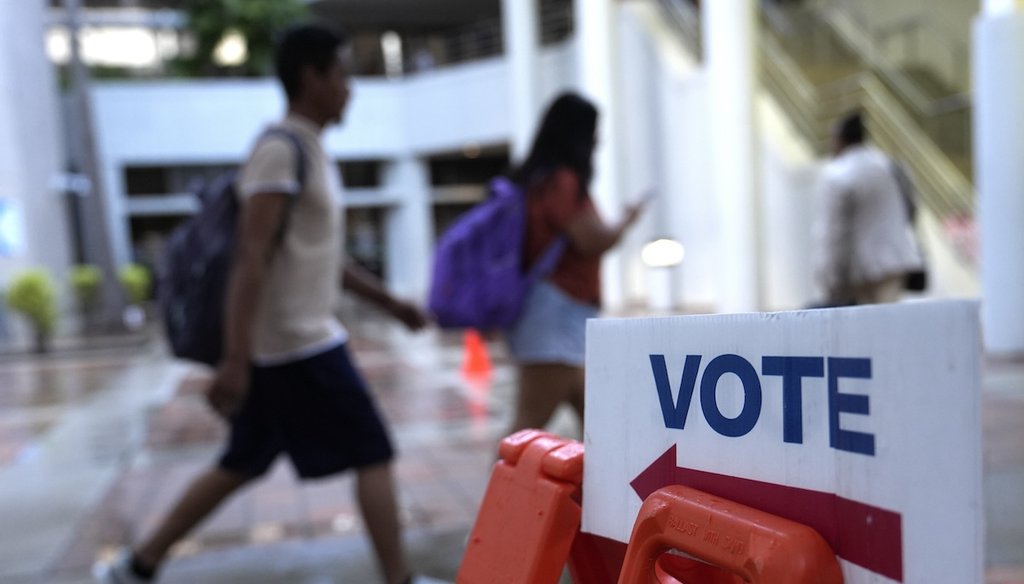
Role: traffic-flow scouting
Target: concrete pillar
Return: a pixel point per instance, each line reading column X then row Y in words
column 596, row 50
column 33, row 227
column 998, row 147
column 730, row 35
column 98, row 222
column 521, row 30
column 409, row 235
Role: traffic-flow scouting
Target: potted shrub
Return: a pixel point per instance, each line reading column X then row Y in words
column 33, row 295
column 86, row 282
column 136, row 282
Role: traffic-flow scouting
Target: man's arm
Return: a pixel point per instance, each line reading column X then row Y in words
column 364, row 284
column 258, row 227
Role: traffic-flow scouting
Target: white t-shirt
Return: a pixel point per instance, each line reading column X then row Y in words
column 295, row 319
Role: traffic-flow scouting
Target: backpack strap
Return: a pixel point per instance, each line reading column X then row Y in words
column 300, row 174
column 548, row 261
column 906, row 188
column 300, row 151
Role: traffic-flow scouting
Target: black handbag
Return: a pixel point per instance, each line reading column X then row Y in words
column 916, row 280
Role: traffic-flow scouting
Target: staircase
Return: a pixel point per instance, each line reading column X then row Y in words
column 817, row 68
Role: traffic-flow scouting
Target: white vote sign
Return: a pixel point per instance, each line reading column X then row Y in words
column 863, row 423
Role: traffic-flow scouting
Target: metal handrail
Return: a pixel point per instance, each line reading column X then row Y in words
column 942, row 187
column 868, row 42
column 484, row 38
column 556, row 21
column 915, row 23
column 946, row 191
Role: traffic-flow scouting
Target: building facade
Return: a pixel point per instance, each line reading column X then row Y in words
column 726, row 128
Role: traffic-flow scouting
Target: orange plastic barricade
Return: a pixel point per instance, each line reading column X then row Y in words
column 527, row 531
column 736, row 544
column 530, row 513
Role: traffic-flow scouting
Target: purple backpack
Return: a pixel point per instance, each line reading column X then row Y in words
column 479, row 280
column 197, row 264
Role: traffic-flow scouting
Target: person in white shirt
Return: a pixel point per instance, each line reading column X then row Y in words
column 866, row 245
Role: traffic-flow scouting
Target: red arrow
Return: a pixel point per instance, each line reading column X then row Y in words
column 870, row 537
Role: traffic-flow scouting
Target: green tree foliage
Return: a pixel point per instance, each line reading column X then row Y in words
column 33, row 295
column 136, row 282
column 256, row 20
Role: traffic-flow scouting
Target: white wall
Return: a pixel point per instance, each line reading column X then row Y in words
column 667, row 135
column 446, row 109
column 29, row 141
column 643, row 158
column 214, row 120
column 666, row 140
column 791, row 178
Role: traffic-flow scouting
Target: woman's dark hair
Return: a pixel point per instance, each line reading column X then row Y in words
column 305, row 45
column 851, row 129
column 565, row 138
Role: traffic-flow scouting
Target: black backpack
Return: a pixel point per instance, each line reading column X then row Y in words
column 197, row 265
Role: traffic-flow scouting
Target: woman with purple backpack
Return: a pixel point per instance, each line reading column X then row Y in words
column 547, row 341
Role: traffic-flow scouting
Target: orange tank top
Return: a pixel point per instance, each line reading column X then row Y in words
column 552, row 204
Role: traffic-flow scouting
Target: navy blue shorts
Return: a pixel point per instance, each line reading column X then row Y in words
column 317, row 410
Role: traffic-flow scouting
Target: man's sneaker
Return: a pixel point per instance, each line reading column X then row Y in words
column 118, row 571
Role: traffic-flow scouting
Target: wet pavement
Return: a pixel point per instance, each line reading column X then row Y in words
column 95, row 447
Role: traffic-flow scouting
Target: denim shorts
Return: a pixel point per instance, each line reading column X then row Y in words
column 318, row 411
column 552, row 328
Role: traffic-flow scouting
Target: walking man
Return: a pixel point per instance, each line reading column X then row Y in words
column 866, row 241
column 286, row 382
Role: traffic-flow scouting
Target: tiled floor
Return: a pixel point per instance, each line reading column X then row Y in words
column 92, row 451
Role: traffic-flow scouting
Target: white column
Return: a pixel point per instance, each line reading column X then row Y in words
column 34, row 226
column 409, row 228
column 730, row 35
column 597, row 66
column 998, row 150
column 521, row 29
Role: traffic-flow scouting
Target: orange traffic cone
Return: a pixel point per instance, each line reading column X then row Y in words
column 475, row 362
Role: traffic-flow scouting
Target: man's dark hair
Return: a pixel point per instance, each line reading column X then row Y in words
column 305, row 45
column 565, row 138
column 852, row 130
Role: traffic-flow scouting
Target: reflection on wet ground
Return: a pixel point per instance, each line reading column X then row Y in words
column 57, row 383
column 34, row 395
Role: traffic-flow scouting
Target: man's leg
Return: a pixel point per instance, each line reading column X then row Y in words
column 375, row 491
column 206, row 492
